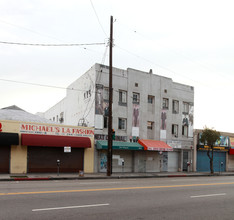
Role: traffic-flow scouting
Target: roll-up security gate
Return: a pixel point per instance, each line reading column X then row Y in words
column 203, row 161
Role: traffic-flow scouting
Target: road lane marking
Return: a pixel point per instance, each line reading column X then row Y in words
column 90, row 183
column 177, row 180
column 200, row 196
column 114, row 189
column 70, row 207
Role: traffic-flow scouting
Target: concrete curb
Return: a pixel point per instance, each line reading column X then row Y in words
column 111, row 177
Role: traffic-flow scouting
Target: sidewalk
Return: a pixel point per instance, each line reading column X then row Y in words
column 86, row 176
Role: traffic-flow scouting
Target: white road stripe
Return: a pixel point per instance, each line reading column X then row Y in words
column 90, row 183
column 177, row 180
column 70, row 207
column 221, row 194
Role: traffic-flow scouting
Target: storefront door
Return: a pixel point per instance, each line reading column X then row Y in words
column 5, row 159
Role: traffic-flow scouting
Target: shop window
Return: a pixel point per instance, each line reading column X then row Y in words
column 150, row 99
column 122, row 97
column 174, row 130
column 122, row 123
column 136, row 98
column 175, row 106
column 165, row 104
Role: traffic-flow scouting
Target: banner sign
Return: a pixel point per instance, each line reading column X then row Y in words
column 56, row 130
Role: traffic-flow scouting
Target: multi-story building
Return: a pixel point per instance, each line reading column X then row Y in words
column 145, row 107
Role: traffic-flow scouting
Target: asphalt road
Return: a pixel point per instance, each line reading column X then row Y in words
column 156, row 198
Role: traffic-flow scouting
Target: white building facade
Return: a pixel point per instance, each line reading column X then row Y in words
column 145, row 107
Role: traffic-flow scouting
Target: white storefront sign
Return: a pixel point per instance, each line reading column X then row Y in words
column 56, row 130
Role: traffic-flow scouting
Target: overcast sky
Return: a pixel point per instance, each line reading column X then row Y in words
column 190, row 41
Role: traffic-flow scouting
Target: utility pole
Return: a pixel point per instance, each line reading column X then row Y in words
column 110, row 141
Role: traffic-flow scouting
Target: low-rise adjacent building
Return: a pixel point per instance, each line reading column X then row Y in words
column 31, row 144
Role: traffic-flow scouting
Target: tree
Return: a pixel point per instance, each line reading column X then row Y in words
column 209, row 137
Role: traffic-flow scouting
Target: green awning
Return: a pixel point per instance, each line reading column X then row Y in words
column 118, row 145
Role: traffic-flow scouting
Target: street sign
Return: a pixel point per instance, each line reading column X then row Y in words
column 67, row 149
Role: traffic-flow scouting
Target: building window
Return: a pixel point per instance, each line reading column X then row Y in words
column 106, row 93
column 122, row 97
column 105, row 122
column 174, row 130
column 165, row 104
column 175, row 106
column 185, row 130
column 150, row 99
column 185, row 107
column 136, row 98
column 150, row 125
column 136, row 84
column 122, row 123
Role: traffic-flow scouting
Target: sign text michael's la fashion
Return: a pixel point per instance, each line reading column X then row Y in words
column 56, row 130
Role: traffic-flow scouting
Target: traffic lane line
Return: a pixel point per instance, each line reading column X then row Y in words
column 113, row 189
column 208, row 195
column 70, row 207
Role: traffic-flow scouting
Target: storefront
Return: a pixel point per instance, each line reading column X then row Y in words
column 220, row 155
column 230, row 165
column 157, row 156
column 45, row 150
column 123, row 155
column 41, row 146
column 203, row 161
column 6, row 140
column 141, row 157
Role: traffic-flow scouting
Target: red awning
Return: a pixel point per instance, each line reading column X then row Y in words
column 54, row 141
column 154, row 145
column 231, row 151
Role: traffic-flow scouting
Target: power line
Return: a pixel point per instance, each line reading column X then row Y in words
column 97, row 17
column 50, row 45
column 43, row 85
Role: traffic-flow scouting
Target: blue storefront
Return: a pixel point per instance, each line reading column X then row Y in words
column 203, row 161
column 221, row 148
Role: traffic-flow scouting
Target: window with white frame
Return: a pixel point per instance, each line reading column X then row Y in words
column 122, row 123
column 185, row 107
column 165, row 104
column 174, row 130
column 106, row 93
column 175, row 106
column 136, row 98
column 122, row 97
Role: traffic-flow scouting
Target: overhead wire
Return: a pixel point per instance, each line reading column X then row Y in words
column 42, row 85
column 98, row 18
column 50, row 45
